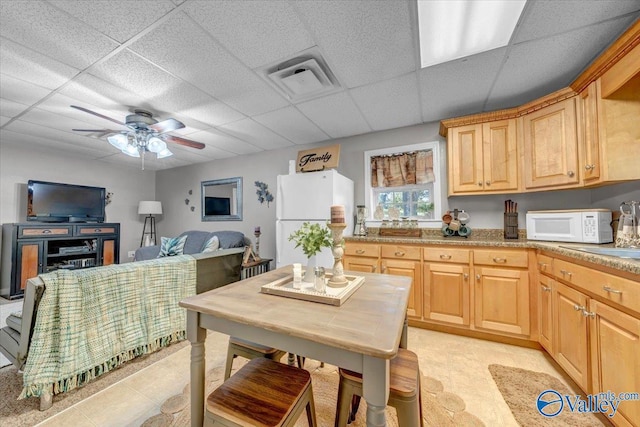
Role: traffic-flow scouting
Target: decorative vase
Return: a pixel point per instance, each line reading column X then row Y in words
column 309, row 275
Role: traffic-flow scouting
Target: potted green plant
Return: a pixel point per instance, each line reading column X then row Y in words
column 312, row 237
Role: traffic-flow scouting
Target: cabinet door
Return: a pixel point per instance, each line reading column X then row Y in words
column 590, row 160
column 464, row 152
column 446, row 293
column 545, row 312
column 29, row 258
column 500, row 158
column 366, row 265
column 570, row 329
column 109, row 252
column 409, row 269
column 551, row 146
column 502, row 300
column 615, row 358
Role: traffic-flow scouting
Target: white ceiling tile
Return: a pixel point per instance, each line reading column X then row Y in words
column 88, row 89
column 39, row 26
column 11, row 108
column 544, row 18
column 20, row 90
column 207, row 153
column 458, row 87
column 33, row 67
column 293, row 125
column 63, row 123
column 536, row 68
column 255, row 134
column 364, row 41
column 61, row 105
column 390, row 104
column 276, row 30
column 336, row 115
column 28, row 135
column 119, row 19
column 187, row 51
column 4, row 120
column 223, row 141
column 128, row 71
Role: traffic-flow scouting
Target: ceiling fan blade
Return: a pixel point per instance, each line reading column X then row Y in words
column 97, row 130
column 98, row 115
column 166, row 125
column 182, row 141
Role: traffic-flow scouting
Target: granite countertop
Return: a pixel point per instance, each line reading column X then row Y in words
column 494, row 238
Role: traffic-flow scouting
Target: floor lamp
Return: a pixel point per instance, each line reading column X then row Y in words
column 149, row 208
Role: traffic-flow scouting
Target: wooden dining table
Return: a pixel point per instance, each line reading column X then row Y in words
column 360, row 335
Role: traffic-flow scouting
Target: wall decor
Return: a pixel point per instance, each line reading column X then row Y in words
column 318, row 159
column 107, row 198
column 222, row 199
column 263, row 193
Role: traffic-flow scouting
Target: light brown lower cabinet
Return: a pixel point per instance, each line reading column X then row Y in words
column 546, row 285
column 570, row 331
column 446, row 293
column 365, row 265
column 615, row 358
column 364, row 257
column 410, row 269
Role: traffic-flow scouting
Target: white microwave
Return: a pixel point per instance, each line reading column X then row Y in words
column 575, row 225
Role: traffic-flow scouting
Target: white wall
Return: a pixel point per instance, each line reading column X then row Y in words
column 128, row 185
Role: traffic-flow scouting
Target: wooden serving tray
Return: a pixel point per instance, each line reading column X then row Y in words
column 400, row 232
column 333, row 296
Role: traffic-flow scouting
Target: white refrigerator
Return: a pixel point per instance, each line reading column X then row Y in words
column 308, row 197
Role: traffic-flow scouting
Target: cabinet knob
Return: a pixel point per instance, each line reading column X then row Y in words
column 611, row 290
column 542, row 265
column 589, row 167
column 466, row 276
column 477, row 277
column 384, row 268
column 577, row 307
column 480, row 184
column 586, row 313
column 444, row 256
column 565, row 272
column 570, row 174
column 499, row 260
column 399, row 253
column 46, row 231
column 546, row 288
column 359, row 251
column 488, row 182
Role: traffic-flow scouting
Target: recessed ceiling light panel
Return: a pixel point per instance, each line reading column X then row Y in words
column 451, row 29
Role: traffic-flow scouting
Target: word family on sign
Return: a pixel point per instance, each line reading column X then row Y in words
column 318, row 159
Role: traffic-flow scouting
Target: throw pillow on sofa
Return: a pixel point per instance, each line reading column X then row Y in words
column 211, row 245
column 171, row 246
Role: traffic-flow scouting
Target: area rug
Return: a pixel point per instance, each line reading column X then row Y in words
column 439, row 407
column 26, row 412
column 520, row 388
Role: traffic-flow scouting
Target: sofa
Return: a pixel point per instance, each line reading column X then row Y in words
column 195, row 243
column 134, row 287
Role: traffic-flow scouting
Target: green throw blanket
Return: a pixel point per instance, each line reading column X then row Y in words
column 91, row 321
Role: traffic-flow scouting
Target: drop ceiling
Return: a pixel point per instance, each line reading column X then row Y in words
column 202, row 62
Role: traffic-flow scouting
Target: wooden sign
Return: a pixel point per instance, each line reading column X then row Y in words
column 318, row 159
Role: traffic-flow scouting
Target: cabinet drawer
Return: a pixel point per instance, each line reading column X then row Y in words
column 611, row 288
column 362, row 249
column 445, row 254
column 494, row 257
column 94, row 229
column 401, row 252
column 44, row 231
column 545, row 264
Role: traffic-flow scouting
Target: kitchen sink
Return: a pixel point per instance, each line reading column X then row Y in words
column 617, row 252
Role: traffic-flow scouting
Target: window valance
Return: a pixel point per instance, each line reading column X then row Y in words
column 402, row 169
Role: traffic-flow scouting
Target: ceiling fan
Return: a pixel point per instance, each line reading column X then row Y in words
column 144, row 134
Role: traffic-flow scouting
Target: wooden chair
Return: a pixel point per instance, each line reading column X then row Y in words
column 404, row 391
column 262, row 393
column 250, row 350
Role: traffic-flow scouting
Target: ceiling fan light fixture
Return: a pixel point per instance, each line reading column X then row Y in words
column 164, row 153
column 156, row 145
column 131, row 150
column 119, row 141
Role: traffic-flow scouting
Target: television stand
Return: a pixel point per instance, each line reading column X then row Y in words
column 30, row 249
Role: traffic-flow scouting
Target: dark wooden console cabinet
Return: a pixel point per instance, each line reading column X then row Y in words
column 29, row 249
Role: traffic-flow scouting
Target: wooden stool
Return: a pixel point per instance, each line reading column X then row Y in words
column 248, row 350
column 404, row 391
column 262, row 393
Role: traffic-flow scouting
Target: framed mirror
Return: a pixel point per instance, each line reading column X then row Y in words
column 222, row 199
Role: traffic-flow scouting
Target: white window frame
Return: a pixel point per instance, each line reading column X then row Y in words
column 439, row 186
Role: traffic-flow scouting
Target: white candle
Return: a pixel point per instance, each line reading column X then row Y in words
column 337, row 214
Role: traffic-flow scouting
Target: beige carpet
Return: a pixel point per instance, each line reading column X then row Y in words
column 26, row 413
column 520, row 388
column 440, row 408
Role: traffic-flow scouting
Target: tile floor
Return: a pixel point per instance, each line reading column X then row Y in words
column 460, row 363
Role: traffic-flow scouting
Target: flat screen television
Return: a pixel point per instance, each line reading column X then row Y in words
column 217, row 206
column 56, row 202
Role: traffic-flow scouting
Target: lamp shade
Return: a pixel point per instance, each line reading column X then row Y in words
column 149, row 208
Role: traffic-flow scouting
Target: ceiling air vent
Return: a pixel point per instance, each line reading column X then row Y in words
column 303, row 77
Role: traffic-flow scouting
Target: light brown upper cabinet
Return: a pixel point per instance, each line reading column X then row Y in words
column 551, row 146
column 483, row 158
column 590, row 159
